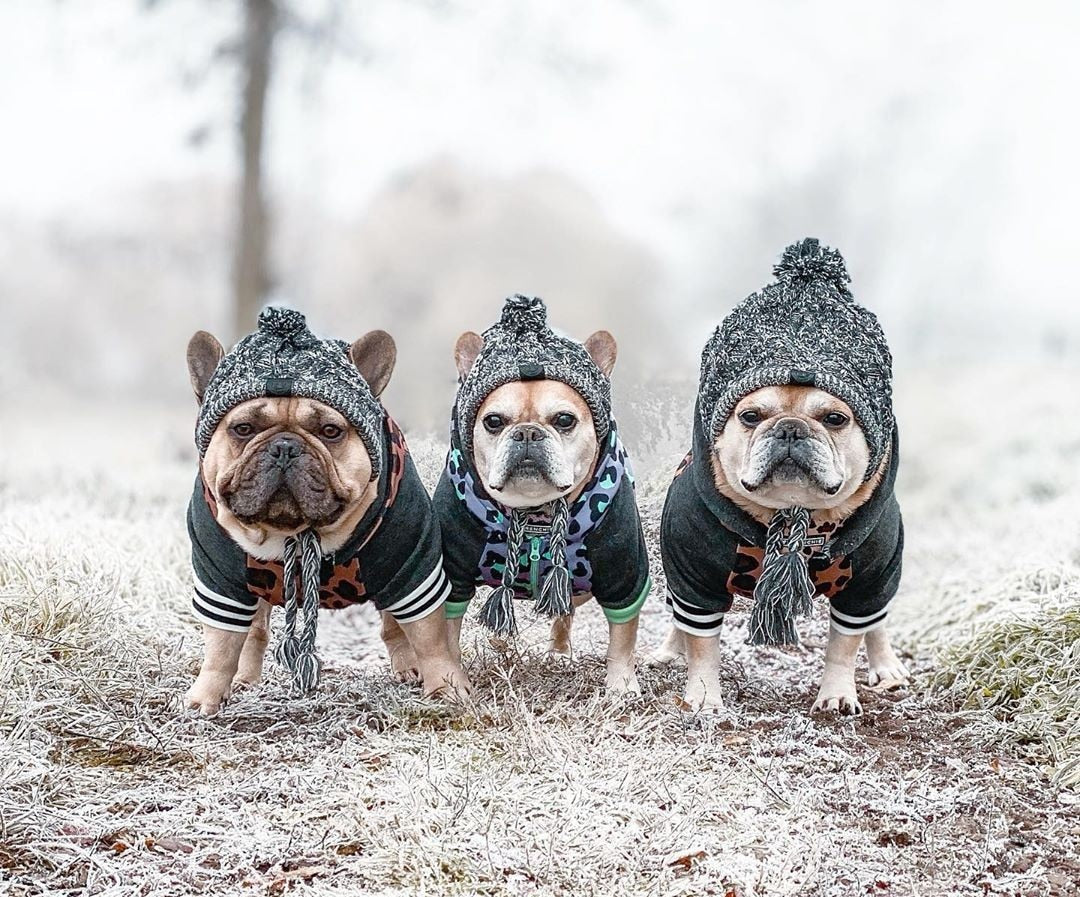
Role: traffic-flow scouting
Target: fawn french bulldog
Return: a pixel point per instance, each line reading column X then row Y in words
column 787, row 493
column 307, row 497
column 537, row 498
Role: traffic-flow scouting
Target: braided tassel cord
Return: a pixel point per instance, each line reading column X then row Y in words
column 497, row 614
column 297, row 652
column 555, row 600
column 307, row 668
column 784, row 590
column 288, row 646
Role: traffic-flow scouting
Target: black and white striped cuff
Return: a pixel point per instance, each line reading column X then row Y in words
column 215, row 610
column 693, row 620
column 846, row 624
column 426, row 598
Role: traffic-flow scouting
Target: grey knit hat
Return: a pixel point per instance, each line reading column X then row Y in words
column 521, row 346
column 284, row 358
column 805, row 329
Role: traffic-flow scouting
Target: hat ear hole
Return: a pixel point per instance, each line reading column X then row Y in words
column 375, row 355
column 204, row 354
column 466, row 349
column 602, row 350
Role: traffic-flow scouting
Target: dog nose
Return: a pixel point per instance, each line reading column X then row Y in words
column 790, row 429
column 285, row 449
column 529, row 433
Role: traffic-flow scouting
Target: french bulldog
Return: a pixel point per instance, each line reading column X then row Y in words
column 788, row 491
column 282, row 463
column 531, row 443
column 794, row 446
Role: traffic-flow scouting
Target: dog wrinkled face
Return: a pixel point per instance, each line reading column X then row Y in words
column 279, row 465
column 283, row 464
column 534, row 442
column 788, row 446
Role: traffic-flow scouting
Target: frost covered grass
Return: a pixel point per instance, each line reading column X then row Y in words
column 539, row 784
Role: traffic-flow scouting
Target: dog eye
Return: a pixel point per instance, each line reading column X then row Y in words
column 834, row 419
column 493, row 423
column 243, row 430
column 564, row 421
column 750, row 418
column 331, row 433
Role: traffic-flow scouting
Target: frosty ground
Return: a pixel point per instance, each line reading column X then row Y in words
column 966, row 784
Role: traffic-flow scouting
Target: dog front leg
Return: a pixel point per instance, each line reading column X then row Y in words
column 403, row 662
column 250, row 667
column 887, row 671
column 621, row 672
column 561, row 627
column 837, row 691
column 439, row 672
column 221, row 657
column 703, row 672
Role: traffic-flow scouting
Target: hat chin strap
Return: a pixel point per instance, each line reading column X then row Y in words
column 784, row 590
column 297, row 652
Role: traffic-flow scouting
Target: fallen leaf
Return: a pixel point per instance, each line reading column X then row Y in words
column 686, row 862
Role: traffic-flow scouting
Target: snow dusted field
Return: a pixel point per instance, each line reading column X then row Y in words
column 540, row 785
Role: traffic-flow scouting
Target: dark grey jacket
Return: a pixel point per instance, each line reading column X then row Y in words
column 712, row 550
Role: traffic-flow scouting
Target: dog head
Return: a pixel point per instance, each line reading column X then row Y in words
column 534, row 440
column 787, row 446
column 278, row 465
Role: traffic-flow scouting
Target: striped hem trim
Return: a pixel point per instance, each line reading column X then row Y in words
column 246, row 605
column 847, row 624
column 691, row 620
column 426, row 598
column 218, row 620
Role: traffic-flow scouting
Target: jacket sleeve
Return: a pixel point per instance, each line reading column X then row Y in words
column 402, row 563
column 619, row 558
column 221, row 598
column 875, row 569
column 698, row 553
column 462, row 538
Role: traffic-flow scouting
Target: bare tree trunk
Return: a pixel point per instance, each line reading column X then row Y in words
column 251, row 275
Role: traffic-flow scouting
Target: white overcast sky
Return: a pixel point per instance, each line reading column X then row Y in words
column 675, row 115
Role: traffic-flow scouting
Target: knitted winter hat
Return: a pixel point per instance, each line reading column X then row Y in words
column 284, row 358
column 804, row 328
column 521, row 346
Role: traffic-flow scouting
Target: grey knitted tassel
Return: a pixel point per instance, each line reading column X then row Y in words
column 497, row 614
column 297, row 653
column 554, row 599
column 288, row 646
column 784, row 590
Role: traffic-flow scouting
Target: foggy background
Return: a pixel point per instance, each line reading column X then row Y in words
column 638, row 164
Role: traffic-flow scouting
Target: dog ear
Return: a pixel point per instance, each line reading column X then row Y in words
column 602, row 350
column 466, row 349
column 204, row 354
column 375, row 355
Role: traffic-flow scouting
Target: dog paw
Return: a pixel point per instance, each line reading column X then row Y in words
column 664, row 656
column 837, row 701
column 209, row 694
column 888, row 676
column 445, row 680
column 560, row 649
column 403, row 664
column 621, row 681
column 702, row 696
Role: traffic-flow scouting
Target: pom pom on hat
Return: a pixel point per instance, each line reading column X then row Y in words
column 808, row 261
column 524, row 314
column 281, row 321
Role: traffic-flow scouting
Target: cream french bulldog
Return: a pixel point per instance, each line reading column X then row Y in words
column 536, row 473
column 307, row 497
column 787, row 494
